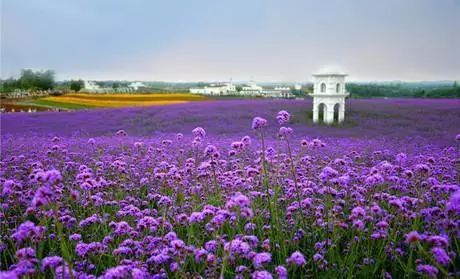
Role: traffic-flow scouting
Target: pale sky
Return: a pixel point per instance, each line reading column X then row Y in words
column 265, row 40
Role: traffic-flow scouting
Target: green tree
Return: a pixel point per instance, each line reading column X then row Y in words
column 76, row 85
column 9, row 85
column 33, row 80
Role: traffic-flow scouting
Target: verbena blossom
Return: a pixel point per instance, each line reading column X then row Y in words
column 283, row 117
column 281, row 271
column 428, row 270
column 258, row 123
column 297, row 258
column 454, row 202
column 261, row 259
column 51, row 262
column 412, row 237
column 284, row 132
column 262, row 274
column 440, row 255
column 27, row 230
column 199, row 132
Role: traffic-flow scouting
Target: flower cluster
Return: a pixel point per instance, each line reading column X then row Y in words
column 274, row 204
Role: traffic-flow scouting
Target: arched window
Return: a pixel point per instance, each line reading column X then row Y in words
column 337, row 88
column 322, row 110
column 323, row 87
column 336, row 111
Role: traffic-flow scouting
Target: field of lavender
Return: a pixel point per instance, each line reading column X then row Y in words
column 232, row 189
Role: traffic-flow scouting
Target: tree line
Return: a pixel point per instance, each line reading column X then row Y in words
column 404, row 90
column 31, row 80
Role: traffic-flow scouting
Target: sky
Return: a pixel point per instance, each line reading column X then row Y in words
column 266, row 40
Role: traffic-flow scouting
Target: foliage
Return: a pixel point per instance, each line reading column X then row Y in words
column 30, row 80
column 391, row 90
column 76, row 85
column 9, row 85
column 41, row 80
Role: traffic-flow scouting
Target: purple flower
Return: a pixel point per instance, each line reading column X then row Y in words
column 317, row 257
column 93, row 219
column 122, row 228
column 412, row 237
column 401, row 157
column 75, row 237
column 116, row 272
column 174, row 266
column 210, row 150
column 454, row 202
column 238, row 145
column 177, row 244
column 438, row 240
column 196, row 217
column 211, row 245
column 8, row 275
column 121, row 133
column 284, row 132
column 27, row 230
column 261, row 259
column 246, row 140
column 441, row 256
column 328, row 173
column 262, row 274
column 159, row 259
column 25, row 253
column 428, row 270
column 239, row 200
column 200, row 254
column 238, row 247
column 297, row 258
column 258, row 123
column 283, row 117
column 51, row 262
column 281, row 271
column 199, row 132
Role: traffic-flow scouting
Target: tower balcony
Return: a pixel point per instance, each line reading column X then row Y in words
column 343, row 95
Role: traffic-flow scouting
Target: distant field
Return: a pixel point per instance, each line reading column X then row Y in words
column 82, row 101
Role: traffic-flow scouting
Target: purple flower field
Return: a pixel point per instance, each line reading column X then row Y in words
column 232, row 189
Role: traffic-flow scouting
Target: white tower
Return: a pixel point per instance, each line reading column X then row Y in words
column 328, row 97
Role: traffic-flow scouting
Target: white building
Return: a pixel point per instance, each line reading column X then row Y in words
column 328, row 97
column 136, row 85
column 216, row 89
column 91, row 86
column 252, row 89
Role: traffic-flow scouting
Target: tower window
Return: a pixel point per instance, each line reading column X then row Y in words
column 337, row 88
column 323, row 87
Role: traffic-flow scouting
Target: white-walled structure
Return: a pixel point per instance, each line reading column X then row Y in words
column 215, row 89
column 91, row 85
column 135, row 85
column 328, row 96
column 252, row 89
